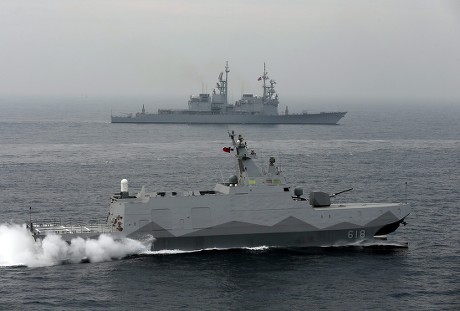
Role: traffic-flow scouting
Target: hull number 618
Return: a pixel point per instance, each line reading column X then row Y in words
column 355, row 234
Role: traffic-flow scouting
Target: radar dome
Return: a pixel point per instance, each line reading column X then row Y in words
column 124, row 185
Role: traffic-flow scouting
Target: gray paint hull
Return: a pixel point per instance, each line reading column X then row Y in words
column 324, row 238
column 188, row 118
column 252, row 219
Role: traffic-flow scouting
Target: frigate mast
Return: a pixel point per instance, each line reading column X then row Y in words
column 265, row 78
column 271, row 89
column 222, row 85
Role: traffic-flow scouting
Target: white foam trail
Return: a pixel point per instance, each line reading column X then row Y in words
column 178, row 251
column 257, row 248
column 17, row 247
column 371, row 243
column 169, row 252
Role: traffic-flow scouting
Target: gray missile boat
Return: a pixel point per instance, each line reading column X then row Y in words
column 254, row 208
column 215, row 109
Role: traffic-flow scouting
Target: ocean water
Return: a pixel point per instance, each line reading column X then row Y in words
column 65, row 163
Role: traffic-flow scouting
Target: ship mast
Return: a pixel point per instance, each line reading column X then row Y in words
column 222, row 85
column 265, row 78
column 227, row 70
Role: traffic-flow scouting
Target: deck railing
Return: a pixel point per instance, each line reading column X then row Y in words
column 59, row 228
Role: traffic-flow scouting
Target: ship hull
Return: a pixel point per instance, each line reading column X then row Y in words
column 243, row 219
column 318, row 238
column 252, row 220
column 325, row 238
column 204, row 118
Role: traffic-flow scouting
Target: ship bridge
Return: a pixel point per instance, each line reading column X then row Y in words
column 250, row 174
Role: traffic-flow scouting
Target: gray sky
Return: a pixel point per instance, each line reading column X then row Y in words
column 327, row 50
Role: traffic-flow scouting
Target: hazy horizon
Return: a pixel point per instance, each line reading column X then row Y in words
column 331, row 52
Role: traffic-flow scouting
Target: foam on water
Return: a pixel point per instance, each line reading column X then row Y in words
column 378, row 243
column 178, row 251
column 18, row 248
column 257, row 248
column 169, row 252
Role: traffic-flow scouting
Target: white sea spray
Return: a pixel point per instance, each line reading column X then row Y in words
column 18, row 248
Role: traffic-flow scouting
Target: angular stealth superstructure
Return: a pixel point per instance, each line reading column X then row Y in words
column 254, row 208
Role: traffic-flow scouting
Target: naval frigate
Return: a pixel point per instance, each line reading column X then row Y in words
column 215, row 109
column 253, row 208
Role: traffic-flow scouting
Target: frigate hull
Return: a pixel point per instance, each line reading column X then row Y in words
column 205, row 118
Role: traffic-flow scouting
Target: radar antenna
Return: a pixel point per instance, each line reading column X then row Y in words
column 222, row 84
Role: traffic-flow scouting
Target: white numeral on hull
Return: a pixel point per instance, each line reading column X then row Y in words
column 357, row 234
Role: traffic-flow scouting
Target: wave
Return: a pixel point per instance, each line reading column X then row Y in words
column 18, row 248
